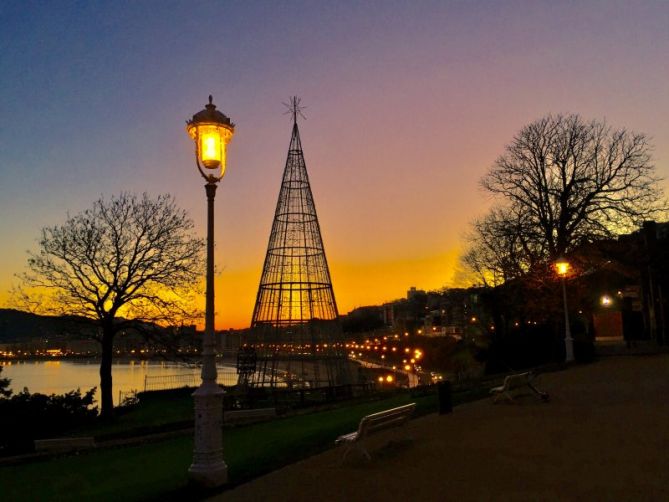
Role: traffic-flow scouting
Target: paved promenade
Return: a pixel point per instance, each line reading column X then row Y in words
column 604, row 435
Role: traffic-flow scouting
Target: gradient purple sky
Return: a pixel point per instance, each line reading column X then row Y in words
column 408, row 104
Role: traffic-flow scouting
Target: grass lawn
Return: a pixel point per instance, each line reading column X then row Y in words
column 133, row 473
column 159, row 410
column 159, row 470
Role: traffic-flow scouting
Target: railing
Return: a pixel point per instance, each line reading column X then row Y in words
column 127, row 396
column 193, row 379
column 285, row 398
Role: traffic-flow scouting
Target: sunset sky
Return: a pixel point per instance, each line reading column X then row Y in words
column 408, row 104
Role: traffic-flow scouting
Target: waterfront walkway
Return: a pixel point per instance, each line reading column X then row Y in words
column 604, row 435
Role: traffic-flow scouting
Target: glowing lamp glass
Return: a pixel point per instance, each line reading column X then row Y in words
column 562, row 267
column 212, row 141
column 210, row 149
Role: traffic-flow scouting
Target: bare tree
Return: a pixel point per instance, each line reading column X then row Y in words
column 126, row 260
column 500, row 247
column 5, row 391
column 563, row 182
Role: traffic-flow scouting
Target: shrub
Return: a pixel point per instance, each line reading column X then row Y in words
column 25, row 416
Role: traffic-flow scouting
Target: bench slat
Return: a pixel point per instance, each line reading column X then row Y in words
column 373, row 426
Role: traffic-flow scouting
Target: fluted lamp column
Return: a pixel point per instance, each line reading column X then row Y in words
column 211, row 131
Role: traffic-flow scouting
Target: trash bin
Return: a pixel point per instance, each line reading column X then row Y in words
column 445, row 401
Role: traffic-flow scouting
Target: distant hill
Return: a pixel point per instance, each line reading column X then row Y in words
column 19, row 326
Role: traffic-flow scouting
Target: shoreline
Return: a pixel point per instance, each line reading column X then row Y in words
column 125, row 358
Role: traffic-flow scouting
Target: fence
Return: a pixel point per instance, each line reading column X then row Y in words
column 192, row 379
column 294, row 398
column 127, row 396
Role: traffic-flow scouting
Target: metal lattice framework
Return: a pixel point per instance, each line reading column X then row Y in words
column 295, row 337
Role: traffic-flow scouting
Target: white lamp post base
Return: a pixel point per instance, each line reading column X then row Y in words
column 208, row 468
column 210, row 476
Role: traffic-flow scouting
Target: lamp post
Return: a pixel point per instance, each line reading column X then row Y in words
column 211, row 131
column 562, row 268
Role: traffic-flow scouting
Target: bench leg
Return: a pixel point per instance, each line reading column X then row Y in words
column 506, row 395
column 346, row 451
column 363, row 451
column 543, row 395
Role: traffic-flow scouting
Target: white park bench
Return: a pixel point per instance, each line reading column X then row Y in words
column 514, row 385
column 373, row 423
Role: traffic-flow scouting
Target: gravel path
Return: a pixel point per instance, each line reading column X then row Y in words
column 604, row 435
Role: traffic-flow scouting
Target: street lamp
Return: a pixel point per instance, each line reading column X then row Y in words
column 211, row 131
column 562, row 268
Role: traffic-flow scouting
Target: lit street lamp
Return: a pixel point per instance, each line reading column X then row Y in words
column 562, row 268
column 212, row 131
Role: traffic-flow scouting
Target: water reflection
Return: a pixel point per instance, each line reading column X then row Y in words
column 60, row 376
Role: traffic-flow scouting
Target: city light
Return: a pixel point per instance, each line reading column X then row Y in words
column 562, row 267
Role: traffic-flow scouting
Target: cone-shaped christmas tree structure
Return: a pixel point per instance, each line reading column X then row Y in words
column 295, row 338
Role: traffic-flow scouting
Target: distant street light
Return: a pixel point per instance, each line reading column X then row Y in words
column 562, row 268
column 212, row 131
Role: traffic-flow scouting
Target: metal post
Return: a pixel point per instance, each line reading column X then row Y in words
column 444, row 391
column 568, row 340
column 208, row 467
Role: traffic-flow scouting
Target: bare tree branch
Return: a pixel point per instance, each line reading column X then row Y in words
column 563, row 182
column 127, row 259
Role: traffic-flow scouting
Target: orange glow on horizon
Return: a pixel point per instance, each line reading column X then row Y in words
column 355, row 284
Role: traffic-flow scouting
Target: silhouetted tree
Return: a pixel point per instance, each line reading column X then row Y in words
column 562, row 182
column 362, row 320
column 501, row 247
column 129, row 260
column 5, row 391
